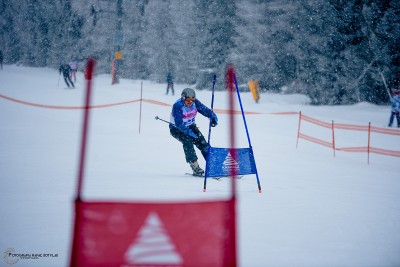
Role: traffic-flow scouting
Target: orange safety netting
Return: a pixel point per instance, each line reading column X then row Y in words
column 331, row 144
column 150, row 101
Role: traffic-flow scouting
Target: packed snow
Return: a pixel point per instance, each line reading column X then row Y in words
column 315, row 209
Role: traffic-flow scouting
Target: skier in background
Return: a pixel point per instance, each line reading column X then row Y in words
column 1, row 59
column 395, row 104
column 74, row 68
column 65, row 70
column 184, row 129
column 170, row 83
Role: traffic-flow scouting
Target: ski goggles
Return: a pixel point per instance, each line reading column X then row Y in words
column 189, row 100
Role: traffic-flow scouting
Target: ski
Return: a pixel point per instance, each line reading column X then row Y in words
column 218, row 178
column 202, row 176
column 191, row 174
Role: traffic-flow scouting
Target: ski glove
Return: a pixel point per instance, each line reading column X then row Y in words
column 192, row 134
column 214, row 120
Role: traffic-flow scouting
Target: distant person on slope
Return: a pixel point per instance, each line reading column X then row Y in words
column 65, row 70
column 395, row 104
column 170, row 83
column 1, row 59
column 184, row 129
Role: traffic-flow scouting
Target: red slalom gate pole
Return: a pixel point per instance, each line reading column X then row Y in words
column 89, row 70
column 89, row 74
column 230, row 87
column 230, row 72
column 112, row 72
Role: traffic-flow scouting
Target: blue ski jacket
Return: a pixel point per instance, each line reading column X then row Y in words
column 183, row 117
column 395, row 103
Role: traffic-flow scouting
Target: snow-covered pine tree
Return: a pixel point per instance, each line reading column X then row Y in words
column 216, row 25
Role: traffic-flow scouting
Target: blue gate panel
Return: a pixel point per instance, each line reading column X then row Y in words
column 220, row 162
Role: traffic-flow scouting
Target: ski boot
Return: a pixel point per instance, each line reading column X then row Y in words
column 197, row 171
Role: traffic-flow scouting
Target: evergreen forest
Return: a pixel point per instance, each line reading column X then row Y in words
column 335, row 51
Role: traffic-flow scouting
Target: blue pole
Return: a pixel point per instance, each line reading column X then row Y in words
column 212, row 109
column 247, row 131
column 241, row 108
column 209, row 134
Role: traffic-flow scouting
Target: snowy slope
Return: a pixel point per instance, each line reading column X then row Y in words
column 315, row 209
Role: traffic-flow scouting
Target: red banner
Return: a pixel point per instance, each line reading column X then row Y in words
column 153, row 234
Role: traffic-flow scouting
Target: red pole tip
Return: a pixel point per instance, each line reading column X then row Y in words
column 89, row 68
column 259, row 191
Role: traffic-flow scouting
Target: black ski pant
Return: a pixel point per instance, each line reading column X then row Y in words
column 189, row 142
column 170, row 85
column 68, row 79
column 391, row 119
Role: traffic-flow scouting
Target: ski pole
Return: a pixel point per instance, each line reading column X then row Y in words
column 158, row 118
column 58, row 83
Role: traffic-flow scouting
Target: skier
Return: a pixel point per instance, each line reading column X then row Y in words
column 1, row 59
column 184, row 129
column 170, row 83
column 65, row 70
column 74, row 68
column 395, row 104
